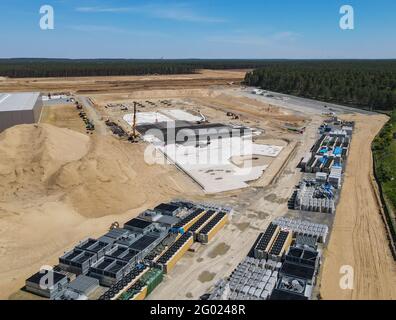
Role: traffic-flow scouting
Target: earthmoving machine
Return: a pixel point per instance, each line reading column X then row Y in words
column 232, row 115
column 114, row 225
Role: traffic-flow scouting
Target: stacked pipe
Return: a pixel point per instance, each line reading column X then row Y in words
column 265, row 241
column 212, row 227
column 201, row 223
column 129, row 280
column 185, row 224
column 280, row 245
column 169, row 259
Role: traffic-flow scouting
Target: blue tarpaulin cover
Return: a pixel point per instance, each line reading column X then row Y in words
column 337, row 151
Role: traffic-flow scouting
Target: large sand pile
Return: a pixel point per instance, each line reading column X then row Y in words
column 32, row 155
column 58, row 186
column 97, row 176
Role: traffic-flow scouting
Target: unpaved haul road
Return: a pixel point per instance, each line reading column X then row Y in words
column 93, row 115
column 358, row 238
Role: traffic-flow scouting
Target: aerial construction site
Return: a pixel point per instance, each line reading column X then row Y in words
column 185, row 187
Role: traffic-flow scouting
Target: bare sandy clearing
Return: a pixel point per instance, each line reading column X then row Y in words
column 358, row 238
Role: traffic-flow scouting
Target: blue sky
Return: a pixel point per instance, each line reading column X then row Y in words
column 198, row 29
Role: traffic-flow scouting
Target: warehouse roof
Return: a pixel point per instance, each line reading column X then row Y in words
column 167, row 207
column 36, row 278
column 138, row 223
column 84, row 284
column 18, row 101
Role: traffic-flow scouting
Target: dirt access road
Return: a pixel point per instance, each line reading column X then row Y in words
column 358, row 238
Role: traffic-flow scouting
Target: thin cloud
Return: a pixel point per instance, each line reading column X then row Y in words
column 103, row 10
column 96, row 28
column 176, row 12
column 111, row 29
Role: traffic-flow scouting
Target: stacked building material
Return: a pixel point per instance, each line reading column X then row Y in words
column 290, row 288
column 316, row 197
column 335, row 177
column 201, row 223
column 251, row 280
column 47, row 283
column 83, row 285
column 321, row 177
column 145, row 286
column 212, row 227
column 128, row 285
column 183, row 225
column 302, row 227
column 265, row 241
column 169, row 259
column 280, row 245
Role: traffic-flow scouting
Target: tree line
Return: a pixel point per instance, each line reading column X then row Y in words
column 369, row 84
column 36, row 68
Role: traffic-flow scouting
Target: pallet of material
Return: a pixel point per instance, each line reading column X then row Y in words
column 317, row 166
column 201, row 223
column 308, row 167
column 141, row 295
column 317, row 145
column 265, row 242
column 212, row 227
column 169, row 259
column 280, row 245
column 132, row 283
column 328, row 164
column 185, row 224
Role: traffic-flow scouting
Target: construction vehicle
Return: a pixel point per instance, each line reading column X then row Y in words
column 134, row 136
column 232, row 115
column 114, row 225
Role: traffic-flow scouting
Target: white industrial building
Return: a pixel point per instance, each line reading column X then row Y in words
column 19, row 108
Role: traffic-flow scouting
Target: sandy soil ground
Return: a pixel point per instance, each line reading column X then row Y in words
column 254, row 208
column 358, row 238
column 81, row 85
column 59, row 186
column 63, row 116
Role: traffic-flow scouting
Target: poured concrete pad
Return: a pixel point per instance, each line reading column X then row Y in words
column 181, row 115
column 146, row 118
column 210, row 165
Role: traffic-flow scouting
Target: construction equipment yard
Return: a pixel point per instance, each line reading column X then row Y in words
column 104, row 154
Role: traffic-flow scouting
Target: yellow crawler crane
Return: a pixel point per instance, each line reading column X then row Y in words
column 134, row 136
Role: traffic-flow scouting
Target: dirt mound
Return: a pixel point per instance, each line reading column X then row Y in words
column 30, row 156
column 112, row 179
column 58, row 186
column 97, row 176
